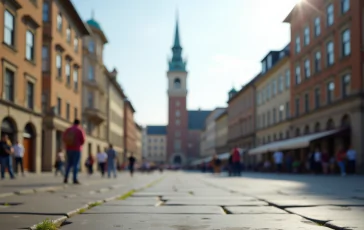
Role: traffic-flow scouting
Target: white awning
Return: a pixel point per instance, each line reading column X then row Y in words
column 293, row 143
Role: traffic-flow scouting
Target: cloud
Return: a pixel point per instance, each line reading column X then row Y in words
column 233, row 68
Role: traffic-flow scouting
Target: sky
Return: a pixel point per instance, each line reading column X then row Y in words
column 223, row 42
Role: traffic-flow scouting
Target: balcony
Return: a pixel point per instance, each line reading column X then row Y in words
column 95, row 114
column 94, row 84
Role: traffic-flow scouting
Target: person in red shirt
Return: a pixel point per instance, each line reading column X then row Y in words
column 236, row 161
column 73, row 139
column 340, row 159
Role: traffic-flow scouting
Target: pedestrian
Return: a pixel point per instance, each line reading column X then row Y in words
column 236, row 161
column 59, row 165
column 89, row 164
column 325, row 158
column 111, row 161
column 131, row 164
column 216, row 162
column 73, row 138
column 278, row 161
column 317, row 161
column 101, row 160
column 6, row 152
column 351, row 155
column 18, row 156
column 340, row 159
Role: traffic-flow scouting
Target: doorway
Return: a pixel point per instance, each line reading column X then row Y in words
column 8, row 127
column 177, row 160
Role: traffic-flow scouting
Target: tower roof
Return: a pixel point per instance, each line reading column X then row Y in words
column 233, row 90
column 177, row 63
column 93, row 23
column 96, row 27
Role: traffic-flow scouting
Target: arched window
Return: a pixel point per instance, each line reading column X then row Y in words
column 330, row 124
column 307, row 129
column 177, row 83
column 317, row 127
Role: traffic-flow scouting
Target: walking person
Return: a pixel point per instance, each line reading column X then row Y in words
column 5, row 157
column 351, row 156
column 131, row 164
column 340, row 159
column 236, row 161
column 89, row 164
column 325, row 158
column 111, row 161
column 278, row 161
column 73, row 138
column 318, row 161
column 18, row 156
column 101, row 160
column 59, row 165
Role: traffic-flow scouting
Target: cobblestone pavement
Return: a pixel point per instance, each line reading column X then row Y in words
column 193, row 201
column 25, row 202
column 187, row 201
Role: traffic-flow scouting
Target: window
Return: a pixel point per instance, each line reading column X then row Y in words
column 268, row 118
column 68, row 34
column 44, row 103
column 307, row 35
column 317, row 98
column 346, row 79
column 30, row 95
column 90, row 99
column 59, row 64
column 29, row 52
column 345, row 46
column 177, row 145
column 178, row 113
column 91, row 73
column 177, row 83
column 274, row 115
column 307, row 68
column 59, row 106
column 45, row 58
column 288, row 78
column 75, row 78
column 345, row 6
column 91, row 46
column 330, row 15
column 264, row 67
column 178, row 122
column 9, row 28
column 298, row 44
column 288, row 112
column 297, row 104
column 258, row 98
column 280, row 116
column 280, row 83
column 307, row 103
column 68, row 111
column 45, row 11
column 75, row 111
column 75, row 44
column 68, row 73
column 270, row 62
column 317, row 61
column 268, row 92
column 330, row 91
column 274, row 85
column 330, row 53
column 59, row 22
column 317, row 26
column 298, row 75
column 9, row 85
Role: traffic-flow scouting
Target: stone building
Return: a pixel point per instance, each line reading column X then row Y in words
column 63, row 30
column 21, row 76
column 138, row 142
column 221, row 133
column 156, row 144
column 129, row 130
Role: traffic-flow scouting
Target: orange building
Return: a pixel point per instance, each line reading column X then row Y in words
column 20, row 78
column 63, row 30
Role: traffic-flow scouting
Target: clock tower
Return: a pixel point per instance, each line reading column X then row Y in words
column 177, row 128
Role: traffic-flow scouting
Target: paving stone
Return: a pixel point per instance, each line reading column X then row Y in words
column 329, row 213
column 189, row 222
column 316, row 202
column 161, row 193
column 255, row 210
column 235, row 202
column 346, row 224
column 156, row 210
column 20, row 221
column 192, row 198
column 141, row 201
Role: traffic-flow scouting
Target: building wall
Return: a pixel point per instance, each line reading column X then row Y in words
column 13, row 58
column 273, row 103
column 193, row 147
column 221, row 130
column 241, row 118
column 129, row 127
column 57, row 90
column 144, row 143
column 210, row 131
column 332, row 104
column 157, row 148
column 138, row 143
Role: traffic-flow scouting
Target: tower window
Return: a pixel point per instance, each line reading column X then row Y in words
column 177, row 83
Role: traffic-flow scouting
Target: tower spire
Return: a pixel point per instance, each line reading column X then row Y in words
column 176, row 36
column 93, row 14
column 177, row 63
